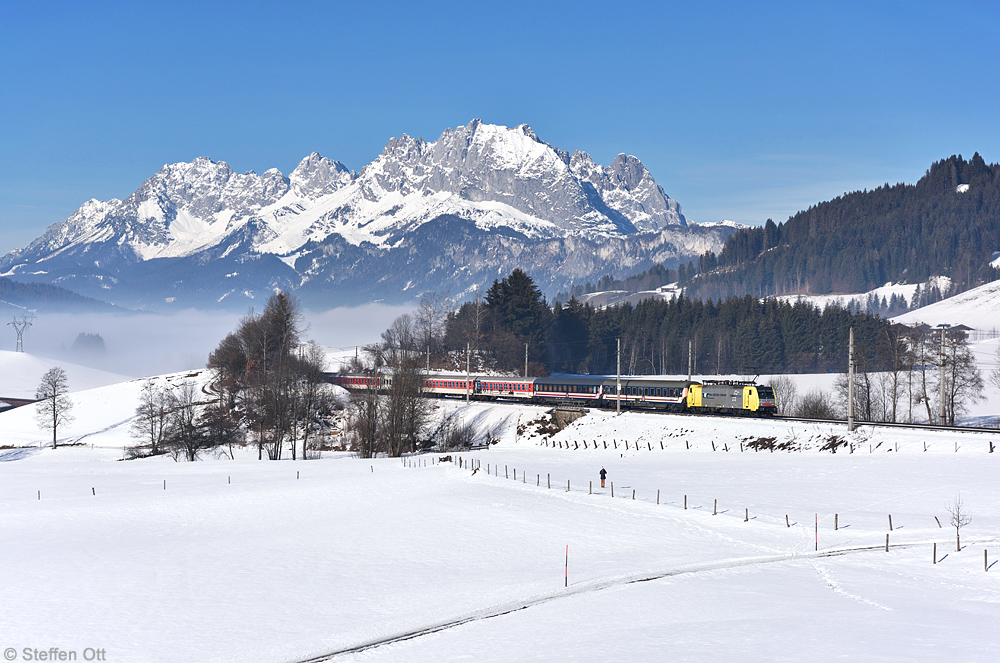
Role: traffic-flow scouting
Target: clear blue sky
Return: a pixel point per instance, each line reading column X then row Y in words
column 741, row 110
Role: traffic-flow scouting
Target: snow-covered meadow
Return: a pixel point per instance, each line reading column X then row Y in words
column 247, row 560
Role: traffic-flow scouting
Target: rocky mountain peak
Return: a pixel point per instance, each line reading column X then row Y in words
column 316, row 176
column 494, row 185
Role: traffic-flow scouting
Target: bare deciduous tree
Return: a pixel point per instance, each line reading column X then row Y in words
column 184, row 437
column 53, row 407
column 785, row 393
column 152, row 414
column 816, row 405
column 959, row 519
column 963, row 381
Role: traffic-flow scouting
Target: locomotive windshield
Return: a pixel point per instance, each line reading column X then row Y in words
column 765, row 393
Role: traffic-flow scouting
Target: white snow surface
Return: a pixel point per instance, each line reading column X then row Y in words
column 246, row 560
column 978, row 308
column 21, row 372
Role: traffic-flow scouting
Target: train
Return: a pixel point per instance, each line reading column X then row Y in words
column 636, row 393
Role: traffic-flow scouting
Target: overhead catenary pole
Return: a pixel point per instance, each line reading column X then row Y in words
column 468, row 371
column 525, row 360
column 941, row 381
column 689, row 360
column 850, row 383
column 618, row 381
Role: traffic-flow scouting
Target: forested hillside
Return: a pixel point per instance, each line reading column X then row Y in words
column 19, row 297
column 737, row 335
column 862, row 240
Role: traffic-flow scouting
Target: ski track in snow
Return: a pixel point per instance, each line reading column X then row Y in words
column 596, row 586
column 832, row 584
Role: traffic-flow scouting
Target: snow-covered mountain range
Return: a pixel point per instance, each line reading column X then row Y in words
column 444, row 215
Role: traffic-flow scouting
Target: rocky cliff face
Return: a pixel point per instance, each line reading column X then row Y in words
column 444, row 215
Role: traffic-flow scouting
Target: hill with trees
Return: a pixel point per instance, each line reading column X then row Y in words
column 947, row 224
column 737, row 335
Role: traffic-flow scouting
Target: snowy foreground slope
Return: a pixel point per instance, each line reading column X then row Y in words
column 240, row 560
column 21, row 372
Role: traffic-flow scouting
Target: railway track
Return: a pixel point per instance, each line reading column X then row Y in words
column 843, row 422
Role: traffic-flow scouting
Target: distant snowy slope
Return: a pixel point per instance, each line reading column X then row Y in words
column 978, row 308
column 20, row 374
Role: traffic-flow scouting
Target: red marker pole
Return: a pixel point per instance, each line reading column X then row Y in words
column 567, row 566
column 817, row 532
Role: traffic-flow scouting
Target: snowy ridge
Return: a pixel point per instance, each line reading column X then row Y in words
column 448, row 215
column 493, row 175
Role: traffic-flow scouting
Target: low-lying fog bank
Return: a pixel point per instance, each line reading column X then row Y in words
column 151, row 344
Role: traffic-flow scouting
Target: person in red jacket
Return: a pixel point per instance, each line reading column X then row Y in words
column 604, row 474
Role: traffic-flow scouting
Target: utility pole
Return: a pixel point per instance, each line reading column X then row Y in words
column 19, row 327
column 850, row 383
column 468, row 372
column 428, row 357
column 525, row 360
column 618, row 381
column 943, row 374
column 689, row 360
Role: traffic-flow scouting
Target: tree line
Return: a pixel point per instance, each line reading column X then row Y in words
column 910, row 375
column 738, row 335
column 267, row 389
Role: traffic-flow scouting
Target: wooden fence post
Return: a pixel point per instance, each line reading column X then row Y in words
column 836, row 524
column 590, row 491
column 567, row 485
column 715, row 504
column 746, row 518
column 938, row 521
column 633, row 493
column 887, row 542
column 935, row 552
column 612, row 489
column 657, row 495
column 548, row 478
column 787, row 524
column 685, row 502
column 890, row 522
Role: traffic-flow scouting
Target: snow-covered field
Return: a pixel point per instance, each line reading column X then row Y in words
column 246, row 560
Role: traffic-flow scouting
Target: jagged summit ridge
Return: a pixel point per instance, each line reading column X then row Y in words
column 504, row 181
column 495, row 175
